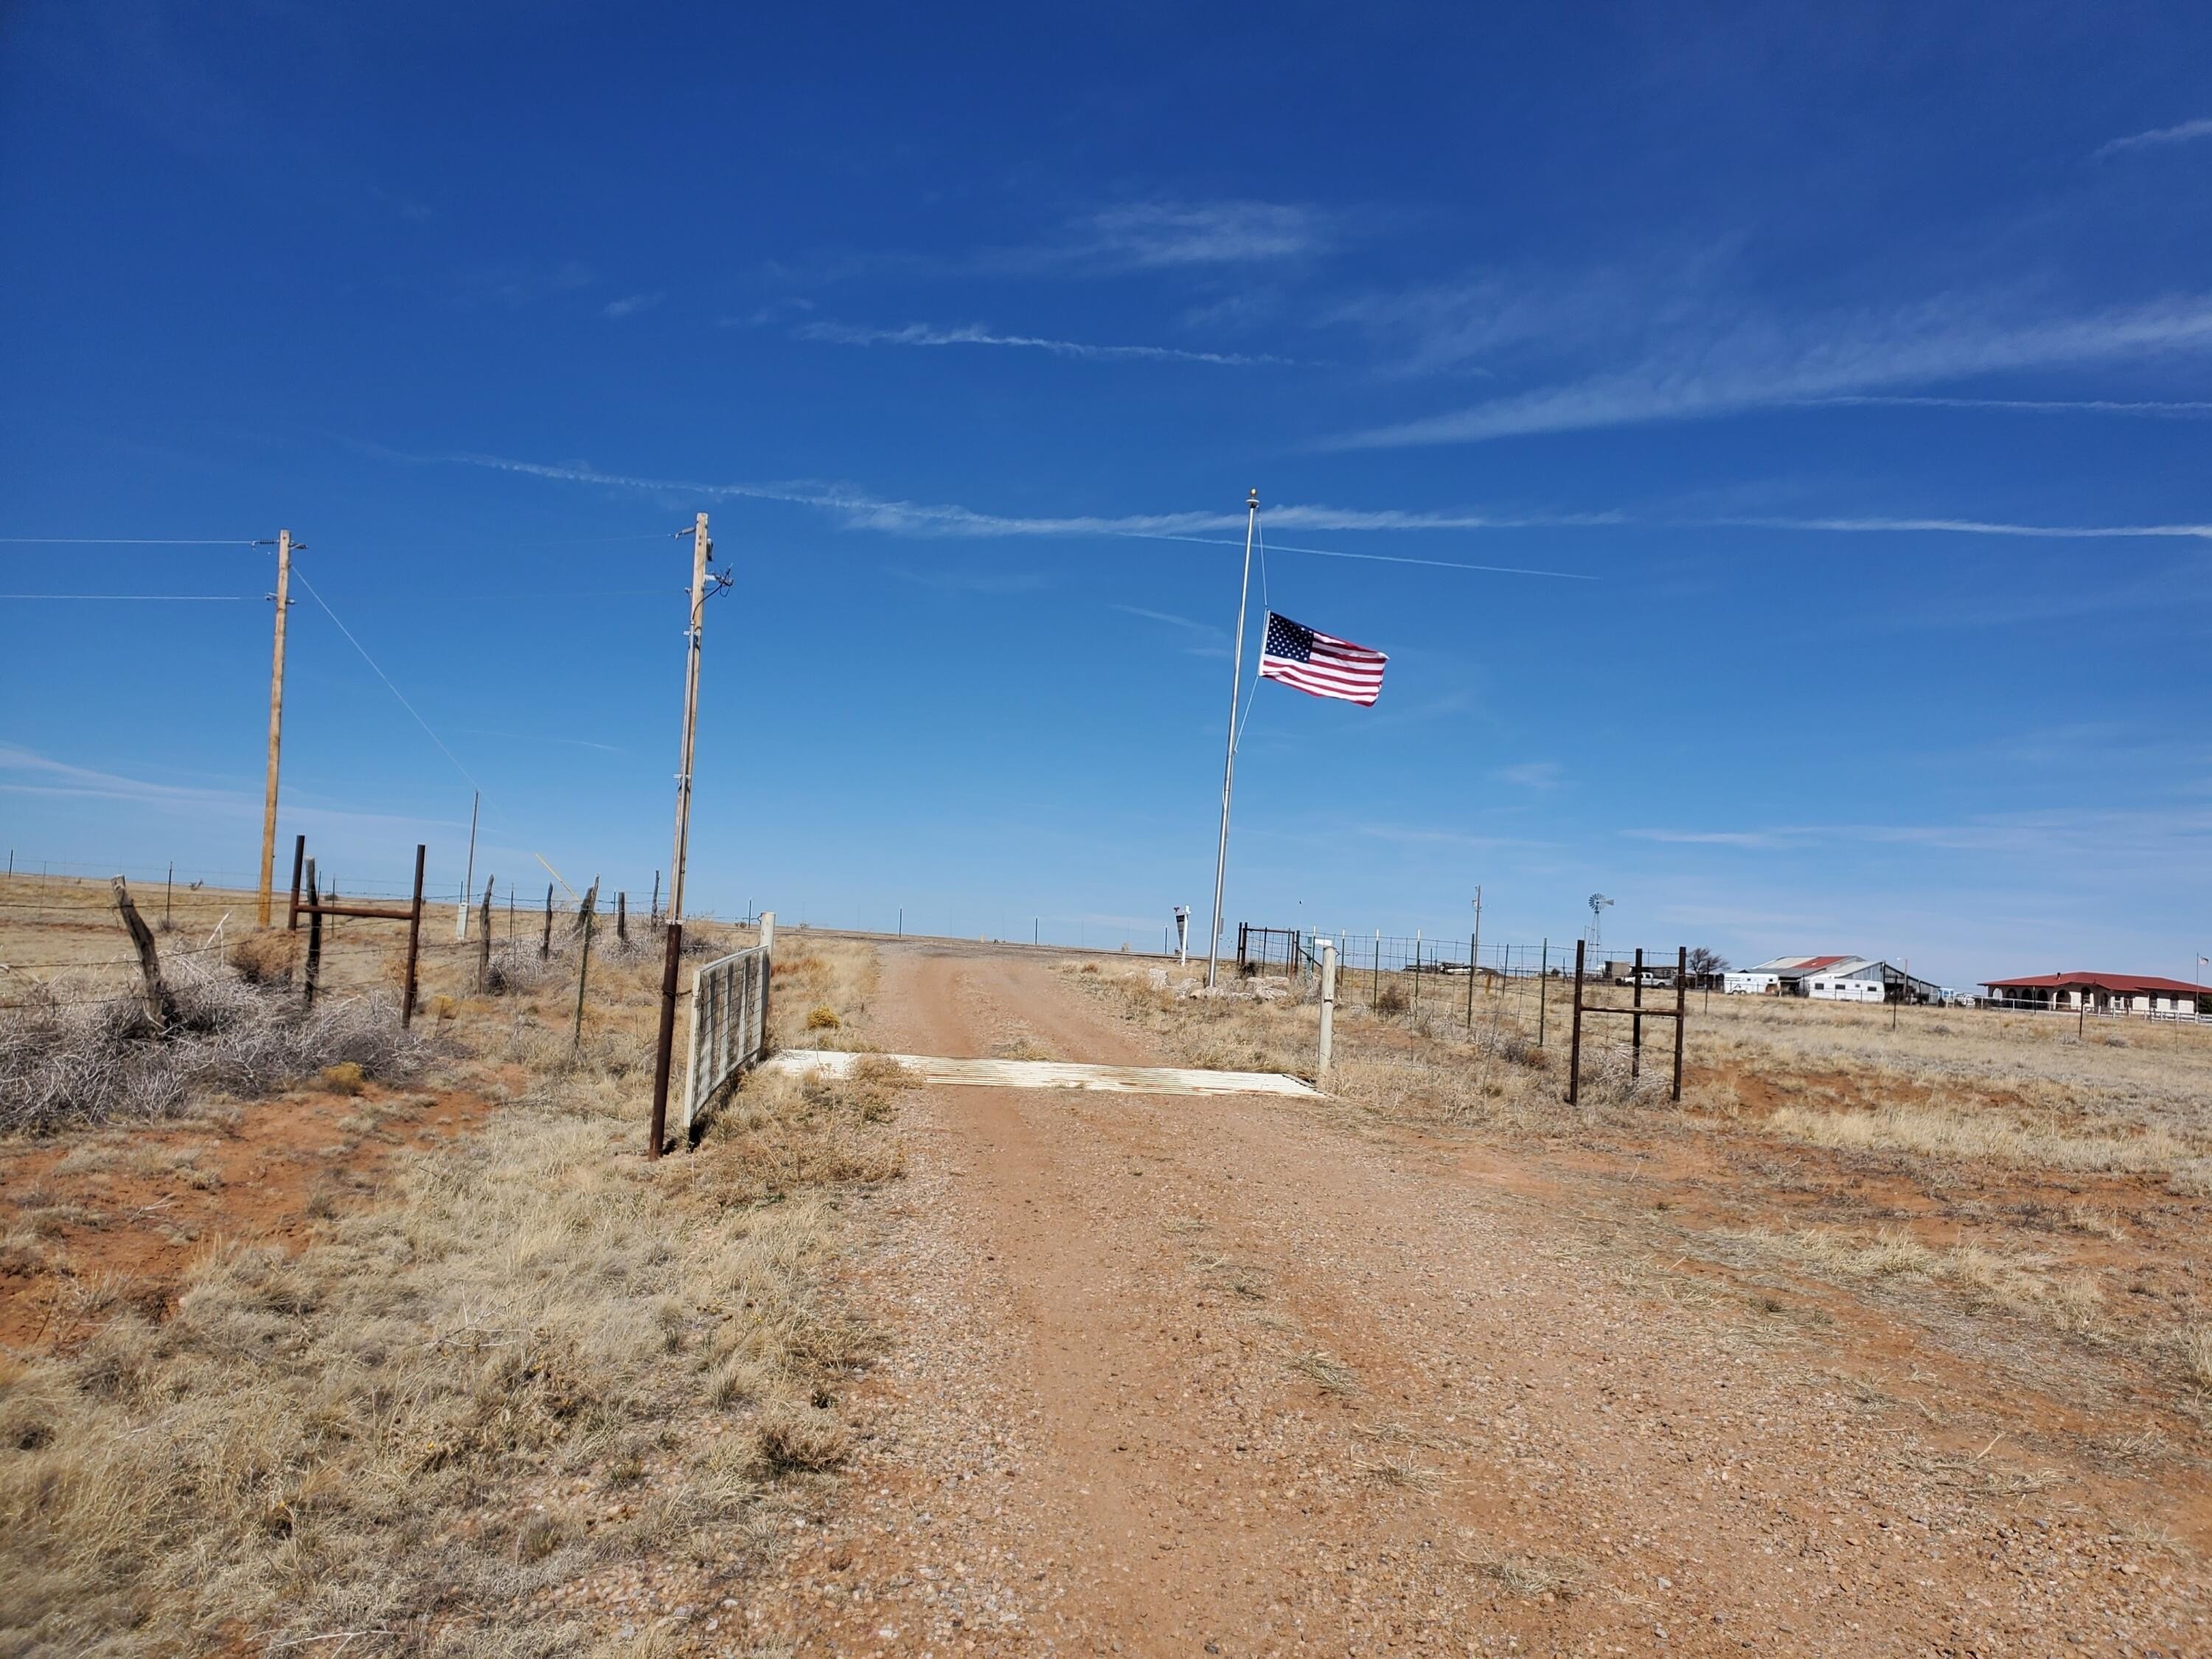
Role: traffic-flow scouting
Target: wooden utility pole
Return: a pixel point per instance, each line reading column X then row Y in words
column 276, row 724
column 702, row 550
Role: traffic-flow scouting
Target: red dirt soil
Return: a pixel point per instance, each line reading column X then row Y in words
column 118, row 1216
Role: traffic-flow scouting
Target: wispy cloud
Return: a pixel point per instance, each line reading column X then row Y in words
column 1151, row 235
column 977, row 334
column 2176, row 409
column 855, row 509
column 40, row 775
column 1710, row 837
column 2180, row 134
column 630, row 304
column 1533, row 775
column 1710, row 361
column 990, row 583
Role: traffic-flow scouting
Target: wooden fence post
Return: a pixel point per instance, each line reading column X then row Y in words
column 156, row 999
column 1574, row 1043
column 1543, row 982
column 314, row 966
column 1327, row 1012
column 299, row 853
column 584, row 961
column 545, row 945
column 483, row 945
column 414, row 939
column 622, row 917
column 665, row 1047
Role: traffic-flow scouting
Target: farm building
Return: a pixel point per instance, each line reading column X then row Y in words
column 2100, row 993
column 1831, row 979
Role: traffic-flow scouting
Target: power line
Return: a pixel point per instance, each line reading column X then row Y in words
column 126, row 541
column 387, row 678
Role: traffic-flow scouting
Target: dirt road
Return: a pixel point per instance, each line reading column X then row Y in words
column 1249, row 1377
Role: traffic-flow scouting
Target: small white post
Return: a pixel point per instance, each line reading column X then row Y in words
column 768, row 927
column 1328, row 1012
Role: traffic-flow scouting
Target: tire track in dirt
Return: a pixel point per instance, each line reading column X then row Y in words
column 1172, row 1376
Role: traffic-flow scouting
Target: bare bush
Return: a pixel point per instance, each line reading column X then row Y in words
column 265, row 957
column 73, row 1055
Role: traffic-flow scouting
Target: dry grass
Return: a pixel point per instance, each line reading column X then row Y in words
column 2022, row 1284
column 533, row 1359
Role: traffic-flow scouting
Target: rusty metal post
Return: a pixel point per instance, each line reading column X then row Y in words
column 314, row 966
column 1543, row 986
column 299, row 853
column 664, row 1048
column 1681, row 992
column 414, row 939
column 1574, row 1043
column 545, row 945
column 1636, row 1021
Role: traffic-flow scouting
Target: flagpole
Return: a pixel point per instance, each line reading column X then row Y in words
column 1229, row 765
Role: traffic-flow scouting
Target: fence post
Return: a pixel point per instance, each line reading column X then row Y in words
column 1472, row 967
column 483, row 945
column 1574, row 1043
column 767, row 928
column 545, row 945
column 1328, row 1012
column 156, row 996
column 1374, row 990
column 314, row 967
column 414, row 938
column 666, row 1042
column 1636, row 1021
column 1417, row 975
column 584, row 917
column 1543, row 989
column 1681, row 993
column 622, row 917
column 299, row 851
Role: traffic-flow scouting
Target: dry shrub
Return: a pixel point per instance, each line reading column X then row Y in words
column 67, row 1056
column 1391, row 1000
column 265, row 957
column 343, row 1079
column 823, row 1019
column 796, row 1436
column 2192, row 1345
column 786, row 1134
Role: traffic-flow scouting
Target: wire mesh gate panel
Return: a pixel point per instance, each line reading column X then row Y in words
column 729, row 1025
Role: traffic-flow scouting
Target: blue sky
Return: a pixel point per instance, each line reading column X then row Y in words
column 1846, row 373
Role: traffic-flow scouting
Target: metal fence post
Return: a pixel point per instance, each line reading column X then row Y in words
column 1473, row 968
column 1543, row 986
column 1575, row 1044
column 1327, row 1012
column 1681, row 992
column 314, row 964
column 1636, row 1021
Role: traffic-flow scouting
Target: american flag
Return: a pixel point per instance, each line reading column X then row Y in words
column 1321, row 664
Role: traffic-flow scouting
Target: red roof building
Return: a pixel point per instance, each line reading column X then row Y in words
column 2110, row 992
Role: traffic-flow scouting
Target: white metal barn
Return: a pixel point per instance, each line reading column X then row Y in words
column 1831, row 979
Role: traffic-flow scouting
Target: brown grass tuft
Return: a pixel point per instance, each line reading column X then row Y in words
column 265, row 957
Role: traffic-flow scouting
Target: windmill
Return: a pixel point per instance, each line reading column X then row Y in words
column 1597, row 903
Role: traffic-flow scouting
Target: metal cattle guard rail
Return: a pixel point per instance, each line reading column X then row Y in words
column 729, row 1025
